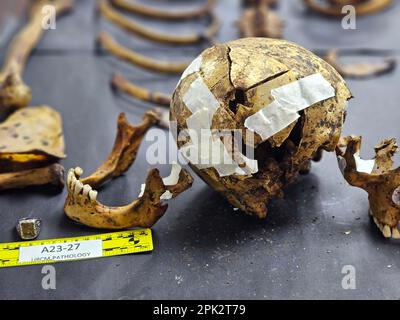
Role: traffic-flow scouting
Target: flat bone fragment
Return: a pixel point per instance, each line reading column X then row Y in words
column 82, row 206
column 151, row 12
column 30, row 137
column 334, row 7
column 135, row 58
column 14, row 93
column 123, row 154
column 142, row 31
column 52, row 175
column 260, row 21
column 381, row 181
column 138, row 92
column 360, row 70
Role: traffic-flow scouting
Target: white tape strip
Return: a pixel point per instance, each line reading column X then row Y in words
column 199, row 97
column 365, row 166
column 289, row 100
column 173, row 178
column 193, row 67
column 204, row 150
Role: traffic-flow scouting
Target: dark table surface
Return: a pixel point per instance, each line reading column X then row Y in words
column 203, row 248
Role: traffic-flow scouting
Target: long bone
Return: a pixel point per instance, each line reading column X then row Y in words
column 14, row 93
column 52, row 175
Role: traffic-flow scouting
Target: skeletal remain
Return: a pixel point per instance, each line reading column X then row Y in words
column 120, row 83
column 31, row 137
column 138, row 8
column 235, row 80
column 82, row 206
column 377, row 178
column 52, row 175
column 137, row 59
column 14, row 93
column 359, row 70
column 134, row 27
column 270, row 3
column 123, row 154
column 260, row 21
column 334, row 7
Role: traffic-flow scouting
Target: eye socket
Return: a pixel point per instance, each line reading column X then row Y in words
column 396, row 196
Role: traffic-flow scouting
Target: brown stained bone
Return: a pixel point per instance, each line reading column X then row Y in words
column 52, row 175
column 359, row 70
column 31, row 137
column 14, row 93
column 241, row 74
column 334, row 7
column 82, row 206
column 134, row 27
column 260, row 21
column 123, row 154
column 135, row 58
column 151, row 12
column 382, row 184
column 120, row 83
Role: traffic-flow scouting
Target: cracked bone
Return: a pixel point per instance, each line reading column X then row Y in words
column 241, row 75
column 377, row 178
column 14, row 93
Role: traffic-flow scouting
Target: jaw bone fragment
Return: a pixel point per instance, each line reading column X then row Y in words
column 123, row 154
column 52, row 175
column 14, row 93
column 82, row 206
column 31, row 137
column 377, row 178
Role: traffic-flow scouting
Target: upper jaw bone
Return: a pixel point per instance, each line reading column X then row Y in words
column 380, row 181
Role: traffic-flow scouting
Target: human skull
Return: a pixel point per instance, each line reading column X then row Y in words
column 234, row 81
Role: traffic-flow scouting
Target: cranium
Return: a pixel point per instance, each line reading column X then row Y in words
column 234, row 81
column 377, row 178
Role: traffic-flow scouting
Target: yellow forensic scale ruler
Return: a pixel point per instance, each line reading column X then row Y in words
column 76, row 248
